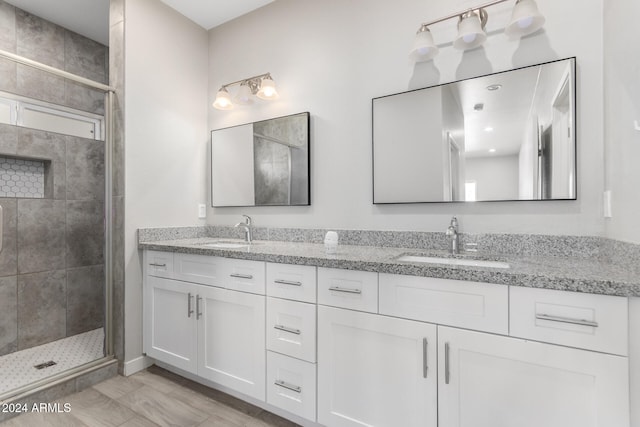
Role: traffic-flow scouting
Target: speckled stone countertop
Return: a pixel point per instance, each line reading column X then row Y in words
column 560, row 273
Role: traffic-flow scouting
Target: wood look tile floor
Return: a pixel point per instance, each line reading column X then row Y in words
column 154, row 397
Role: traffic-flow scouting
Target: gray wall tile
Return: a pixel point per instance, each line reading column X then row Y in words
column 9, row 253
column 118, row 278
column 40, row 40
column 8, row 81
column 85, row 233
column 85, row 57
column 8, row 139
column 40, row 85
column 8, row 315
column 49, row 146
column 41, row 235
column 7, row 27
column 85, row 299
column 83, row 98
column 85, row 169
column 41, row 308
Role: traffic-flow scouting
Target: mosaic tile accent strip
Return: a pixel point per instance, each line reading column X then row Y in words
column 21, row 178
column 18, row 368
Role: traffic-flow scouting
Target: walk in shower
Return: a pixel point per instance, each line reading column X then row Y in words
column 55, row 203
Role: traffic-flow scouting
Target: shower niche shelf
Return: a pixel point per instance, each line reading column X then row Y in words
column 23, row 178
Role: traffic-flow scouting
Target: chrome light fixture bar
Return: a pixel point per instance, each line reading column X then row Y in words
column 261, row 86
column 525, row 19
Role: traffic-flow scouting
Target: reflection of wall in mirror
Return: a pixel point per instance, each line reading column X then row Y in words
column 496, row 177
column 454, row 139
column 408, row 150
column 232, row 167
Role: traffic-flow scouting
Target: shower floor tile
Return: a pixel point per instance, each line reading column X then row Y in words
column 17, row 369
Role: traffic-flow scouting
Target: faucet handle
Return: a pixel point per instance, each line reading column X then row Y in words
column 247, row 219
column 454, row 222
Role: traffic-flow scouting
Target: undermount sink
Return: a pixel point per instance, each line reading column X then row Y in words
column 226, row 244
column 453, row 261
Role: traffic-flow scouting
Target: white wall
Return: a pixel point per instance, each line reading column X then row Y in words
column 622, row 107
column 496, row 176
column 165, row 133
column 330, row 57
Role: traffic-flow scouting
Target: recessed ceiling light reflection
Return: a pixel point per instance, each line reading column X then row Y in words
column 488, row 129
column 492, row 150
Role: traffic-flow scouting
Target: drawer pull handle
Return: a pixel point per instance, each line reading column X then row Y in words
column 287, row 282
column 447, row 372
column 345, row 290
column 560, row 319
column 288, row 386
column 425, row 367
column 198, row 312
column 286, row 329
column 153, row 264
column 189, row 309
column 242, row 276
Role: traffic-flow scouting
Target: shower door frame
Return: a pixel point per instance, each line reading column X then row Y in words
column 108, row 233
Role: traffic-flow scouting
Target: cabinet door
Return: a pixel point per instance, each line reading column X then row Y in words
column 231, row 339
column 170, row 322
column 494, row 381
column 375, row 370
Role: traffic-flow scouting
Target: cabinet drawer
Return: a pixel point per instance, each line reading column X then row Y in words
column 295, row 282
column 291, row 385
column 356, row 290
column 159, row 264
column 244, row 275
column 593, row 322
column 203, row 269
column 471, row 305
column 291, row 328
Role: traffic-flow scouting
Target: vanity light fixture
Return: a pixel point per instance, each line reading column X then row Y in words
column 525, row 19
column 261, row 86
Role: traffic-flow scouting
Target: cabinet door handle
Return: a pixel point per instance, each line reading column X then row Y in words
column 425, row 366
column 288, row 386
column 447, row 373
column 189, row 310
column 153, row 264
column 561, row 319
column 198, row 312
column 345, row 290
column 241, row 276
column 287, row 329
column 287, row 282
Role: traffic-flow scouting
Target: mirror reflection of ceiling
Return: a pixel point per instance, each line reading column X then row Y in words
column 497, row 125
column 90, row 18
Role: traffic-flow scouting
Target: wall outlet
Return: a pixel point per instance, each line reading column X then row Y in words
column 607, row 204
column 202, row 210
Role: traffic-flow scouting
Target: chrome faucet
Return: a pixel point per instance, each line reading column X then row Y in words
column 452, row 236
column 248, row 230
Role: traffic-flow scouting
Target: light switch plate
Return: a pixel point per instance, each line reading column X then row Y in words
column 202, row 210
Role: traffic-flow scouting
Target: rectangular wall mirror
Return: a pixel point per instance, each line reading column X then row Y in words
column 261, row 164
column 504, row 136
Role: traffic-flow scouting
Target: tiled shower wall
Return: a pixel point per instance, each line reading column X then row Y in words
column 52, row 262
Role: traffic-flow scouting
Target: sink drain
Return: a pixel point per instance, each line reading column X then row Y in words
column 45, row 364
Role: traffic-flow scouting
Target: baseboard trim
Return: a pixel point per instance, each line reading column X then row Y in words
column 136, row 365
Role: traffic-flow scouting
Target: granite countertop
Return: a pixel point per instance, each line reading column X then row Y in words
column 559, row 273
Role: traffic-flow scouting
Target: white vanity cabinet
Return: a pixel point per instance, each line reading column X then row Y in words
column 291, row 338
column 170, row 328
column 343, row 348
column 215, row 333
column 487, row 380
column 375, row 370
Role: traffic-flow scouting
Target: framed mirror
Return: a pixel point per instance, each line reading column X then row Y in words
column 264, row 163
column 500, row 137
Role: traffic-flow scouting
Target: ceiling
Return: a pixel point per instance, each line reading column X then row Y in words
column 91, row 17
